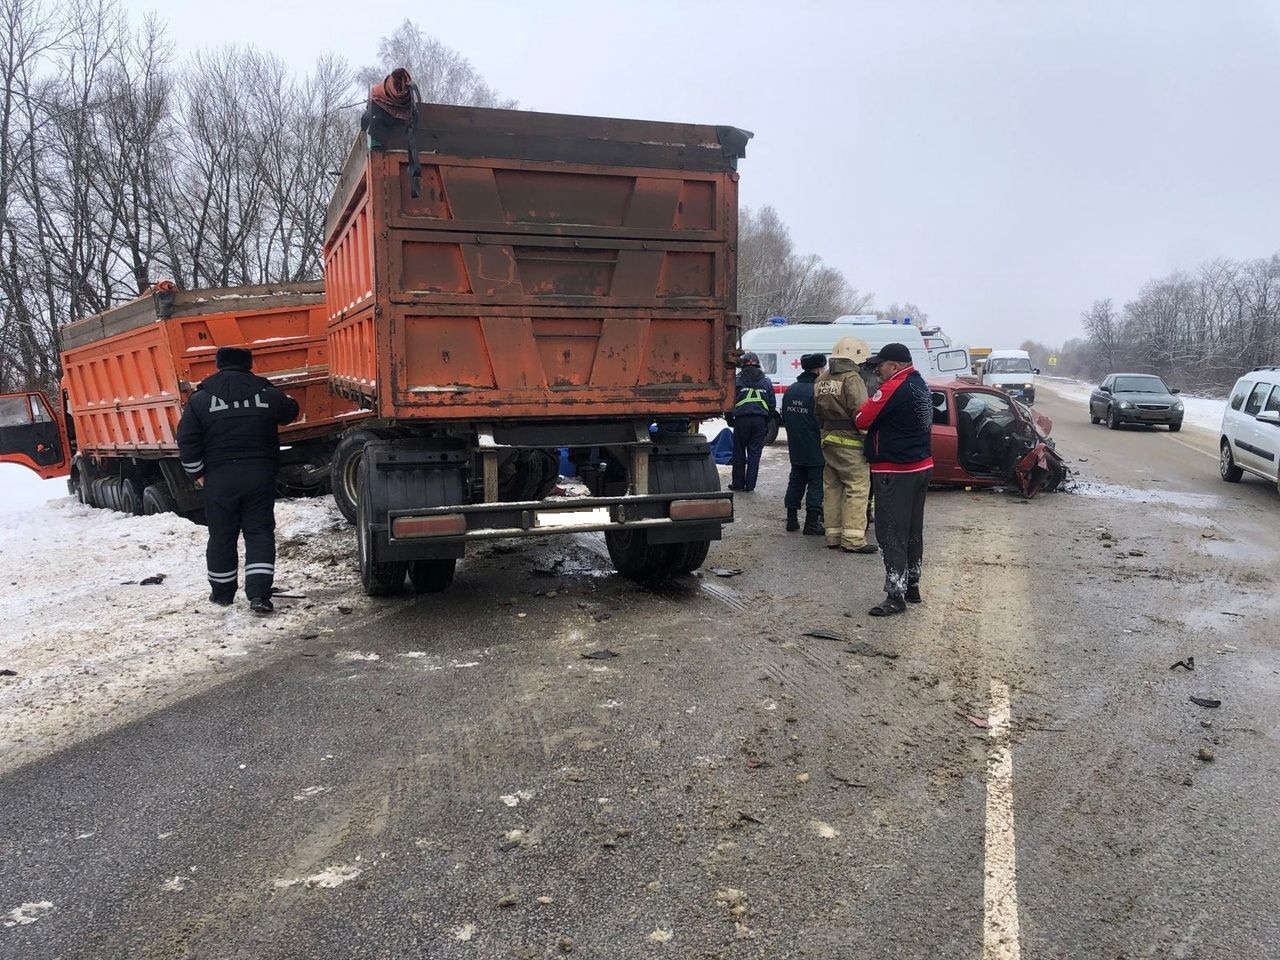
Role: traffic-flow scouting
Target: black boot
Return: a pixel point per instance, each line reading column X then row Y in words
column 793, row 520
column 813, row 523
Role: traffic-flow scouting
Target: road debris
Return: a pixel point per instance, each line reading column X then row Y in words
column 27, row 913
column 152, row 580
column 1188, row 664
column 726, row 571
column 824, row 830
column 1205, row 754
column 660, row 935
column 507, row 900
column 464, row 932
column 6, row 672
column 864, row 649
column 551, row 571
column 598, row 655
column 976, row 721
column 823, row 634
column 1206, row 702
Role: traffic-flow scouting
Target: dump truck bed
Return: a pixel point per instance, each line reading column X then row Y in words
column 551, row 266
column 127, row 371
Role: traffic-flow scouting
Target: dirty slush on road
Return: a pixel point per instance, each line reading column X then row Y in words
column 737, row 766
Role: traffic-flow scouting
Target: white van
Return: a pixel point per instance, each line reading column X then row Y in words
column 1011, row 371
column 1250, row 441
column 780, row 347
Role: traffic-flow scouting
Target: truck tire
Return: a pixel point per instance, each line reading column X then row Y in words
column 156, row 498
column 637, row 559
column 344, row 470
column 129, row 497
column 82, row 475
column 771, row 435
column 431, row 576
column 378, row 579
column 691, row 556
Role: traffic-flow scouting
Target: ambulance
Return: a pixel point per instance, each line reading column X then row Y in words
column 780, row 346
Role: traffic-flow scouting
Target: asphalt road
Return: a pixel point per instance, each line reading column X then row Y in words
column 457, row 780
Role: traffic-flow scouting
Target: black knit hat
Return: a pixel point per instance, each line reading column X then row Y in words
column 237, row 357
column 897, row 352
column 813, row 361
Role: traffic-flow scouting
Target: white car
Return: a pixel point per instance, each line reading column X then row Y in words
column 1251, row 428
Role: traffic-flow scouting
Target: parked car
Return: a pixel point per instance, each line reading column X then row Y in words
column 1135, row 398
column 1250, row 440
column 984, row 438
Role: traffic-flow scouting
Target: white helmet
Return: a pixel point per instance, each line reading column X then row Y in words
column 851, row 348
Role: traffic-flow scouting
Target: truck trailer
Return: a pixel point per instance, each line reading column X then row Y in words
column 505, row 284
column 128, row 371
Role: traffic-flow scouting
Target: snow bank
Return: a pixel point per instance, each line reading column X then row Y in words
column 20, row 489
column 91, row 646
column 1204, row 413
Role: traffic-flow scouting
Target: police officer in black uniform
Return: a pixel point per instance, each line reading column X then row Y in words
column 229, row 444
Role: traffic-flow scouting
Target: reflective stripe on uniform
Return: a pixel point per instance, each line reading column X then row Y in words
column 252, row 568
column 842, row 441
column 222, row 577
column 752, row 396
column 193, row 467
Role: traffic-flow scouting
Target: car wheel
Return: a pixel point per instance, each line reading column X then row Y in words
column 1227, row 464
column 1094, row 418
column 1175, row 427
column 1113, row 422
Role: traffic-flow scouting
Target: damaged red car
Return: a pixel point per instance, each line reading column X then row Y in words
column 984, row 438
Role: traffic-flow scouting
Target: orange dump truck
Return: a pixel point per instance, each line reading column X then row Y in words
column 523, row 283
column 127, row 372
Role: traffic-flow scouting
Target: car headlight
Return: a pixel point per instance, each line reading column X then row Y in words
column 1027, row 386
column 1125, row 404
column 1178, row 406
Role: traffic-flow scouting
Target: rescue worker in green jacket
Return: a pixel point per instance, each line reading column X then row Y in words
column 838, row 395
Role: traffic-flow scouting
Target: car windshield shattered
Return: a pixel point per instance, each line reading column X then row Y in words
column 1140, row 385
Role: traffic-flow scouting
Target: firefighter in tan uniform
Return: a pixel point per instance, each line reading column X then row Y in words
column 846, row 479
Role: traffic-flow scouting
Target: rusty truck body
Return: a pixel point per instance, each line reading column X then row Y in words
column 128, row 371
column 533, row 282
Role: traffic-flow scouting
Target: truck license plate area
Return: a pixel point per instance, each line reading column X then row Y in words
column 569, row 519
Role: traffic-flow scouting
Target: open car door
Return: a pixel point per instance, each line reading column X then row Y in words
column 31, row 435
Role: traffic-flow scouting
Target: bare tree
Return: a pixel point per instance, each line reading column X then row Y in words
column 1102, row 324
column 443, row 75
column 901, row 313
column 773, row 280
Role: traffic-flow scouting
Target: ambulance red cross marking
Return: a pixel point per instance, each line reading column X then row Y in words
column 795, row 364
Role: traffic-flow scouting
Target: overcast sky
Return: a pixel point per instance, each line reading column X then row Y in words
column 1000, row 164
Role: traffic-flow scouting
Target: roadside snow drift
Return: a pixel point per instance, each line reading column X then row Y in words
column 90, row 645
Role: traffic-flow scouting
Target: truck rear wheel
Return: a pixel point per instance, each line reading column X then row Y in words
column 81, row 480
column 691, row 555
column 431, row 576
column 378, row 579
column 344, row 470
column 771, row 435
column 129, row 496
column 637, row 559
column 156, row 498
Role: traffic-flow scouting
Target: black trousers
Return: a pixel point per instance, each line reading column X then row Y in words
column 241, row 498
column 900, row 526
column 806, row 482
column 748, row 443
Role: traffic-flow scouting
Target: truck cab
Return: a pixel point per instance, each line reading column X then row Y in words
column 33, row 435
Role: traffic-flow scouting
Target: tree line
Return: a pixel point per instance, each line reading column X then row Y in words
column 122, row 164
column 1201, row 328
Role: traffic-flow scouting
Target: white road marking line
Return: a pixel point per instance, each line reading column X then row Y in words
column 1000, row 938
column 1192, row 446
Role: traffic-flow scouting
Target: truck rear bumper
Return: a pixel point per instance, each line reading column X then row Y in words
column 668, row 518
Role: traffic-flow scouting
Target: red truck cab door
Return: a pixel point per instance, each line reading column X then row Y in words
column 31, row 434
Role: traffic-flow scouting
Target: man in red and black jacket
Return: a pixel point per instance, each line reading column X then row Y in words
column 897, row 421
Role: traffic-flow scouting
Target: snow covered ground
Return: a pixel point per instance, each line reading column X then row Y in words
column 1202, row 413
column 91, row 647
